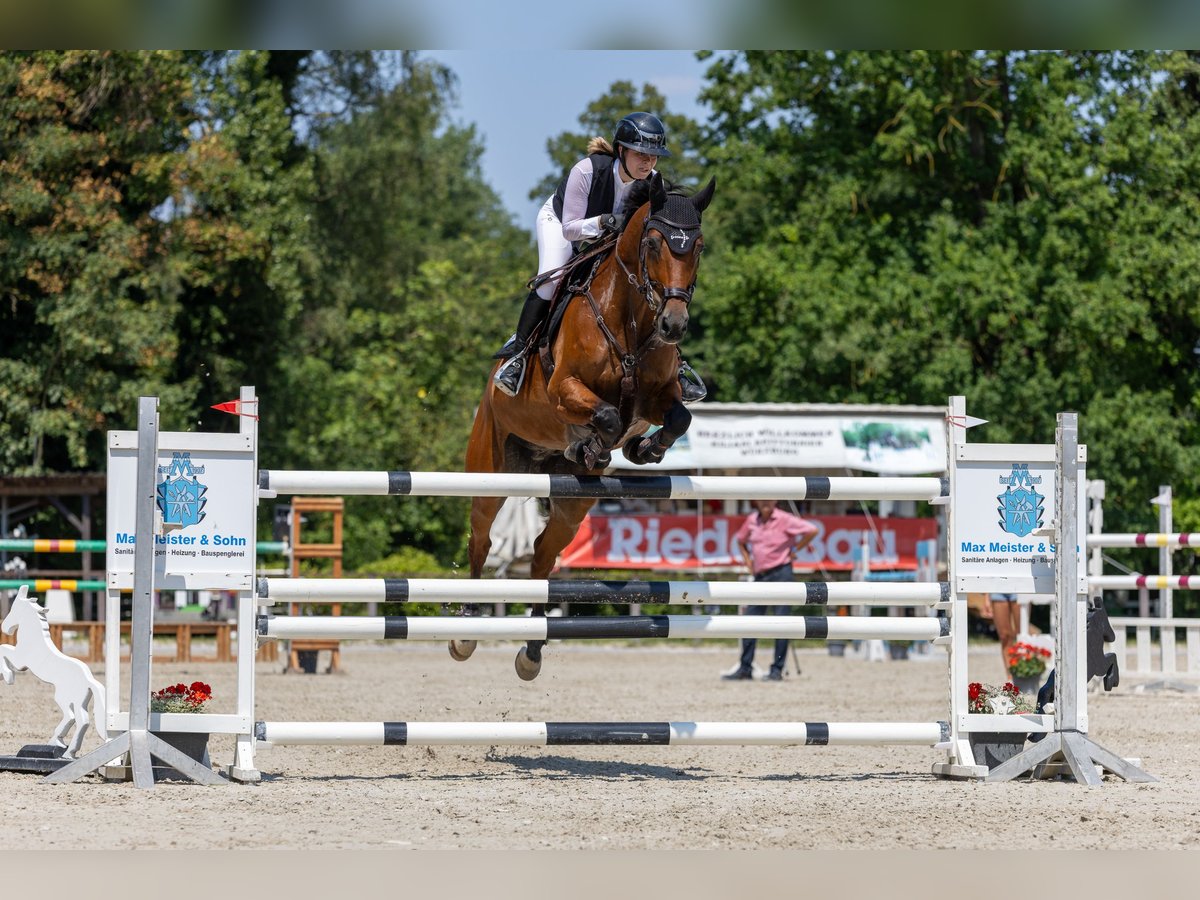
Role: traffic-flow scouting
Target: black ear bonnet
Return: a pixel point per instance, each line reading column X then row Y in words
column 678, row 221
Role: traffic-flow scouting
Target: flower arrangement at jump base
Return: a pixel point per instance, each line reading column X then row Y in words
column 1026, row 660
column 1003, row 700
column 181, row 698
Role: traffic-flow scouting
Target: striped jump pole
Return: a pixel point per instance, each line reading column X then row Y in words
column 1131, row 582
column 51, row 584
column 542, row 628
column 49, row 545
column 653, row 487
column 507, row 591
column 1174, row 541
column 562, row 734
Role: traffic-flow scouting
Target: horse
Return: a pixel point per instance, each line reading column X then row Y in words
column 608, row 375
column 74, row 686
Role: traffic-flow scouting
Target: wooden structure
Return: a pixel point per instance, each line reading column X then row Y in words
column 331, row 551
column 182, row 632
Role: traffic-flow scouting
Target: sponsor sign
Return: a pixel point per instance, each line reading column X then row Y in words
column 1003, row 518
column 895, row 445
column 694, row 542
column 204, row 499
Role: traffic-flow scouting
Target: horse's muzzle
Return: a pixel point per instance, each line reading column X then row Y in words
column 673, row 325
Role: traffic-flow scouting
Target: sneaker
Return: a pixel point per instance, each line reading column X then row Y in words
column 773, row 675
column 510, row 375
column 738, row 675
column 692, row 384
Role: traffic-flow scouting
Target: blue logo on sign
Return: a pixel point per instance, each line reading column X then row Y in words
column 1021, row 506
column 180, row 493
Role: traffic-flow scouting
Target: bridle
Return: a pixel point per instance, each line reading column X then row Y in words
column 647, row 286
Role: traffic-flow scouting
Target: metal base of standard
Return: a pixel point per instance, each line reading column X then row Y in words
column 139, row 745
column 1069, row 752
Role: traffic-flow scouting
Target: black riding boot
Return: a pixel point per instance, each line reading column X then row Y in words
column 692, row 384
column 510, row 375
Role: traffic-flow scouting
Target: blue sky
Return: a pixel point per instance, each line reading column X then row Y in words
column 519, row 98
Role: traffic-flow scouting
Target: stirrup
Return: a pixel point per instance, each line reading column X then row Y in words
column 692, row 384
column 510, row 376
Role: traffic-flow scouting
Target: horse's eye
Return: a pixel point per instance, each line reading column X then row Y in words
column 654, row 242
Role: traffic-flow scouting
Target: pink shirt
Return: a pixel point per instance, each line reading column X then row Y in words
column 771, row 542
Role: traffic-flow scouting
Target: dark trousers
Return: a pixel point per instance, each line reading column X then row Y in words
column 779, row 573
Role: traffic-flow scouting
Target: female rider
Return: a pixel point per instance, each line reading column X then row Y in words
column 586, row 205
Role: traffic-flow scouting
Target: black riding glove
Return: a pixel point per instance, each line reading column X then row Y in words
column 612, row 223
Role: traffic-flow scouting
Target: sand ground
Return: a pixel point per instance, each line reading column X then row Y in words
column 609, row 797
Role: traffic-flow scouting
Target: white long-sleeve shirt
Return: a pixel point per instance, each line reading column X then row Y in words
column 575, row 200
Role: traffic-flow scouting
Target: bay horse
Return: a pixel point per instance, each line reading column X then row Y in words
column 610, row 373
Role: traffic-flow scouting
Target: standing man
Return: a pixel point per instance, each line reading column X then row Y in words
column 767, row 541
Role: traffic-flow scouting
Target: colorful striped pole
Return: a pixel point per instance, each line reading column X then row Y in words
column 1145, row 539
column 1130, row 582
column 49, row 545
column 51, row 584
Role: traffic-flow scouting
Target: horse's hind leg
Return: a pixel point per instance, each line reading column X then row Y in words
column 560, row 530
column 483, row 512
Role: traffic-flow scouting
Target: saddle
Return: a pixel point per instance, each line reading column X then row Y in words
column 576, row 280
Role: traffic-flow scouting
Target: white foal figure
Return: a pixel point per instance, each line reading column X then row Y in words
column 74, row 686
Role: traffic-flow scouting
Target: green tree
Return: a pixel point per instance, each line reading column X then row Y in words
column 600, row 118
column 420, row 273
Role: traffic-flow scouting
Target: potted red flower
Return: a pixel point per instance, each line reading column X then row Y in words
column 1026, row 665
column 182, row 698
column 991, row 748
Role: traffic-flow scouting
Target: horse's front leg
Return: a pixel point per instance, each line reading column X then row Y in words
column 576, row 404
column 676, row 421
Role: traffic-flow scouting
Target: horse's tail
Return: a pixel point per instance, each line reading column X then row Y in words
column 99, row 708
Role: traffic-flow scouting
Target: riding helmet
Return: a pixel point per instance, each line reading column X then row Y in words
column 644, row 133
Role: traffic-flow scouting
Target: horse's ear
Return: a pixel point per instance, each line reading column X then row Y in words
column 658, row 193
column 704, row 197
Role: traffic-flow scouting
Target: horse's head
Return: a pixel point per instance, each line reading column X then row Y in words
column 22, row 609
column 669, row 255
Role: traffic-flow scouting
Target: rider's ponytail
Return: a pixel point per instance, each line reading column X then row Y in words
column 599, row 145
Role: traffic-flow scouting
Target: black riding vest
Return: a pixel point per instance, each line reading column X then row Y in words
column 600, row 197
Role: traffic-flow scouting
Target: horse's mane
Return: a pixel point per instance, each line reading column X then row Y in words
column 42, row 620
column 639, row 193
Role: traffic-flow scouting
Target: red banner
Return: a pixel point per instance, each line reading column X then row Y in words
column 694, row 542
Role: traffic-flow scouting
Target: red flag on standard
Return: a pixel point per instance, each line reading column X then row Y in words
column 234, row 408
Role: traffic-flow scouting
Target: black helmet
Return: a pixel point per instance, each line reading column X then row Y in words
column 644, row 133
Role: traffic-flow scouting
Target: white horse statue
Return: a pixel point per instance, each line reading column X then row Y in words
column 74, row 685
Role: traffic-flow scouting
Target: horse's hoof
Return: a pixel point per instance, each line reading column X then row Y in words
column 462, row 650
column 527, row 669
column 603, row 461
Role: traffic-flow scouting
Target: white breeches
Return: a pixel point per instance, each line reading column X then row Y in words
column 553, row 249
